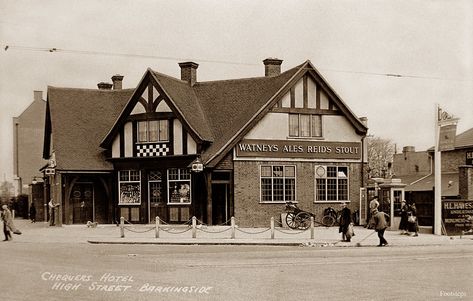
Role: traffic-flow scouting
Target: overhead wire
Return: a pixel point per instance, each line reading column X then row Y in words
column 89, row 52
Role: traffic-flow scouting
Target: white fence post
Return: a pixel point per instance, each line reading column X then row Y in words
column 194, row 228
column 122, row 227
column 232, row 223
column 311, row 227
column 272, row 227
column 157, row 227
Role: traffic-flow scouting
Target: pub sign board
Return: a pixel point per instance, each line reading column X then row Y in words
column 457, row 216
column 298, row 149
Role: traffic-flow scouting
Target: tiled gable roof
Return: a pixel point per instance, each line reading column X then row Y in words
column 230, row 104
column 186, row 101
column 80, row 118
column 464, row 139
column 218, row 113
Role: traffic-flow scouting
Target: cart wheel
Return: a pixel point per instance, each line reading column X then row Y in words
column 328, row 221
column 303, row 220
column 291, row 220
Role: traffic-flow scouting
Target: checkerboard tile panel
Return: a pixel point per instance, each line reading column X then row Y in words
column 152, row 150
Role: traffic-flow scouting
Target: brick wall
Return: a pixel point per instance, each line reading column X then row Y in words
column 249, row 212
column 451, row 160
column 466, row 182
column 226, row 163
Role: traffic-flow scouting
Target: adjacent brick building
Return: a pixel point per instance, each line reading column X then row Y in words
column 28, row 130
column 416, row 169
column 177, row 148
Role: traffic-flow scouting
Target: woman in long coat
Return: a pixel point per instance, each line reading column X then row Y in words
column 403, row 225
column 345, row 221
column 413, row 226
column 7, row 223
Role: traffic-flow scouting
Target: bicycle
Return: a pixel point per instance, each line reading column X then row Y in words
column 297, row 218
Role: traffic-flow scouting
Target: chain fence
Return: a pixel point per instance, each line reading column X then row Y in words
column 195, row 225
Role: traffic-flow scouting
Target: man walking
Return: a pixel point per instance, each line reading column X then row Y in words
column 380, row 225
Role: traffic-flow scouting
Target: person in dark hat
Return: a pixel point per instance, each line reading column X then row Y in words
column 403, row 224
column 32, row 213
column 345, row 221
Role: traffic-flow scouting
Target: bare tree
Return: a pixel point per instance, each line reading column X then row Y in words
column 380, row 156
column 6, row 191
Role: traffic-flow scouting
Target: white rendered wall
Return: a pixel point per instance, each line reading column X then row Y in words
column 116, row 147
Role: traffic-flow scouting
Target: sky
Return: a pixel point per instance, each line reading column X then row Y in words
column 390, row 61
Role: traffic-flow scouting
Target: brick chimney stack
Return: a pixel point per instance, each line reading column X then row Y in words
column 38, row 95
column 189, row 72
column 104, row 86
column 272, row 66
column 117, row 80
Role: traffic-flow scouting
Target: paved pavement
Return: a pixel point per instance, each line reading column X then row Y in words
column 215, row 235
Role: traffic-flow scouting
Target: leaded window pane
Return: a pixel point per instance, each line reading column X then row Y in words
column 342, row 189
column 316, row 126
column 184, row 174
column 153, row 131
column 266, row 191
column 331, row 189
column 278, row 190
column 321, row 185
column 173, row 174
column 142, row 131
column 154, row 176
column 332, row 171
column 278, row 171
column 134, row 175
column 124, row 175
column 290, row 190
column 293, row 125
column 163, row 130
column 290, row 171
column 305, row 125
column 266, row 171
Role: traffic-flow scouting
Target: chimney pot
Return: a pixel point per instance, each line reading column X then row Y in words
column 189, row 72
column 104, row 86
column 272, row 66
column 38, row 95
column 117, row 80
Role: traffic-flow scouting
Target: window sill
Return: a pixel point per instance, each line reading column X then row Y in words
column 328, row 202
column 305, row 138
column 178, row 204
column 278, row 202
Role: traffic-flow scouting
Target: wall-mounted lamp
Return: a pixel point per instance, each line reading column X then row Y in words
column 197, row 165
column 34, row 181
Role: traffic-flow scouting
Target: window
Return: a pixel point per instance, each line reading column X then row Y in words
column 397, row 202
column 153, row 131
column 129, row 187
column 305, row 125
column 179, row 185
column 278, row 183
column 331, row 183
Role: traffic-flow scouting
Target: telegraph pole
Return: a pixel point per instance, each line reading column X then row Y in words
column 445, row 132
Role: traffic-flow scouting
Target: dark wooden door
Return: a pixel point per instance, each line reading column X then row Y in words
column 82, row 203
